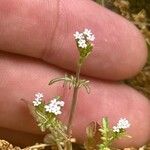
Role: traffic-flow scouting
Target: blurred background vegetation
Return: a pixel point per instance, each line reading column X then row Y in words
column 138, row 12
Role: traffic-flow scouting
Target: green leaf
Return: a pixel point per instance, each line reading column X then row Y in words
column 105, row 123
column 68, row 79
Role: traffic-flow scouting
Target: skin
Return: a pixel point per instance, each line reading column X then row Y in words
column 37, row 45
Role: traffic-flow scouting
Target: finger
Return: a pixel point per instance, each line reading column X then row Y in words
column 44, row 29
column 22, row 78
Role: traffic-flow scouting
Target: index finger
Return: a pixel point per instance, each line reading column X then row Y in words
column 44, row 29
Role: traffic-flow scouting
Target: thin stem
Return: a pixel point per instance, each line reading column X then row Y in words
column 59, row 146
column 55, row 137
column 103, row 3
column 74, row 99
column 37, row 146
column 60, row 132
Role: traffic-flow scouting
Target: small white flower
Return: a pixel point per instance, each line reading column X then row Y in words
column 91, row 38
column 39, row 95
column 87, row 32
column 61, row 103
column 89, row 35
column 53, row 101
column 36, row 103
column 54, row 106
column 123, row 123
column 47, row 108
column 38, row 99
column 84, row 38
column 115, row 129
column 78, row 36
column 82, row 43
column 58, row 112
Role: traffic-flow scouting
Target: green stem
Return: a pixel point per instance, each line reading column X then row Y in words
column 56, row 140
column 74, row 99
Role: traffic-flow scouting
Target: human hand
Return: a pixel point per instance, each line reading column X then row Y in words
column 37, row 45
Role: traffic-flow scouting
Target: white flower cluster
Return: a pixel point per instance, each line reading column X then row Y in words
column 38, row 99
column 54, row 106
column 84, row 37
column 123, row 123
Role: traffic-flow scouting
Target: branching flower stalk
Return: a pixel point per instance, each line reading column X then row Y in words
column 74, row 99
column 99, row 137
column 109, row 135
column 45, row 115
column 84, row 45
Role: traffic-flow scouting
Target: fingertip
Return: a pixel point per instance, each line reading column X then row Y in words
column 139, row 117
column 119, row 50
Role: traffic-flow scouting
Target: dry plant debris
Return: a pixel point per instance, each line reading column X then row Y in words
column 138, row 12
column 4, row 145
